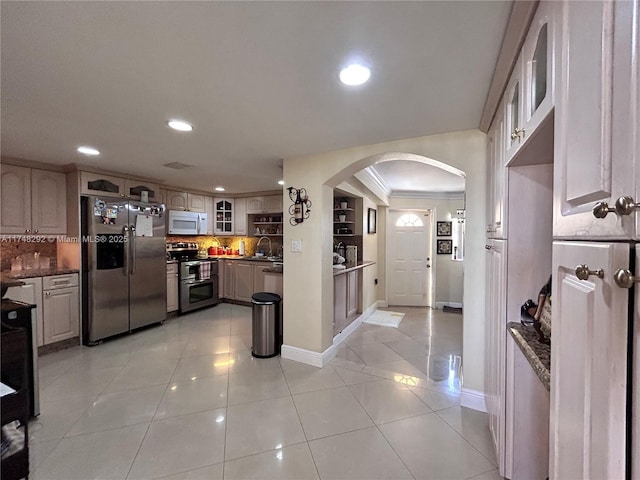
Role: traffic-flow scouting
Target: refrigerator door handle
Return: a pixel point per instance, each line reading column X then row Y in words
column 125, row 266
column 132, row 237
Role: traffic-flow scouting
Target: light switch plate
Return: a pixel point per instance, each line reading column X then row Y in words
column 296, row 245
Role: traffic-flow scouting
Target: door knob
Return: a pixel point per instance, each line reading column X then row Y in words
column 624, row 278
column 583, row 272
column 624, row 205
column 488, row 247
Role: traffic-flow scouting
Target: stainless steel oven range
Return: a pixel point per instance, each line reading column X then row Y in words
column 198, row 284
column 198, row 278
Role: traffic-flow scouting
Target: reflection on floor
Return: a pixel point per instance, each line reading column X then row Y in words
column 186, row 400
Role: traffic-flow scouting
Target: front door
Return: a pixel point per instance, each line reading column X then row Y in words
column 410, row 258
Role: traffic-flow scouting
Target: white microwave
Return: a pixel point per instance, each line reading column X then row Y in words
column 187, row 223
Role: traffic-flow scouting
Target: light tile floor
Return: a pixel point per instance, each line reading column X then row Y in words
column 186, row 400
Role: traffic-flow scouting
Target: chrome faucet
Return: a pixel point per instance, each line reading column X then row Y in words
column 268, row 240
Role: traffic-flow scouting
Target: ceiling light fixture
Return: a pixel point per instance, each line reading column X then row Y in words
column 180, row 125
column 354, row 74
column 219, row 189
column 86, row 150
column 280, row 182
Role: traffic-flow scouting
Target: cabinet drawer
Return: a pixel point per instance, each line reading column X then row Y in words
column 60, row 281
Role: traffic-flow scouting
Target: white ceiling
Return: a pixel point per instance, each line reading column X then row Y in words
column 407, row 176
column 259, row 81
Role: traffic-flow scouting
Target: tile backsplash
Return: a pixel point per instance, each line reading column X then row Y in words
column 10, row 248
column 250, row 243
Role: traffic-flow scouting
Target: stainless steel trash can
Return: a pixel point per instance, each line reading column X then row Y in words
column 265, row 325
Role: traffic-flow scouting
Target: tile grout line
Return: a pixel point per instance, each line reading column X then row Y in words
column 135, row 457
column 382, row 434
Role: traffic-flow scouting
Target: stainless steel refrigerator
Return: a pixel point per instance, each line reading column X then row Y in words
column 124, row 266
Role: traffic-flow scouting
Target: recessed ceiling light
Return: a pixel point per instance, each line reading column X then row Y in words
column 180, row 125
column 88, row 150
column 354, row 74
column 280, row 182
column 219, row 189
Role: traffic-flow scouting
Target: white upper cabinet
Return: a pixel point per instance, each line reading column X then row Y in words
column 34, row 201
column 538, row 55
column 133, row 189
column 273, row 203
column 48, row 202
column 264, row 204
column 596, row 121
column 513, row 117
column 530, row 94
column 16, row 199
column 224, row 216
column 190, row 202
column 99, row 184
column 497, row 180
column 240, row 214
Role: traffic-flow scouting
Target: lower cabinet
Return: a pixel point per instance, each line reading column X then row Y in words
column 345, row 298
column 57, row 304
column 527, row 418
column 229, row 279
column 241, row 279
column 244, row 281
column 273, row 283
column 172, row 287
column 31, row 293
column 61, row 308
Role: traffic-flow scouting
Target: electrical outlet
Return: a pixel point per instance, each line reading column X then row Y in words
column 296, row 245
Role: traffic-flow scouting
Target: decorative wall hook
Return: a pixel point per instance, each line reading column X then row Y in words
column 301, row 207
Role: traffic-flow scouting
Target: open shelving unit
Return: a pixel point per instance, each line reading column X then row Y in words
column 267, row 225
column 344, row 223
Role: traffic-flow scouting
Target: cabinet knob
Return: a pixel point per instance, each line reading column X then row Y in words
column 27, row 231
column 517, row 133
column 624, row 205
column 624, row 278
column 35, row 231
column 583, row 272
column 47, row 294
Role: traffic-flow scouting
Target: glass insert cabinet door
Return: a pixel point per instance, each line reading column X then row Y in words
column 224, row 216
column 538, row 77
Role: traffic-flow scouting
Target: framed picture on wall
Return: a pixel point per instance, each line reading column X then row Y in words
column 443, row 229
column 371, row 224
column 444, row 247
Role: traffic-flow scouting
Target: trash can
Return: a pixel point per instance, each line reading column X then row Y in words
column 266, row 325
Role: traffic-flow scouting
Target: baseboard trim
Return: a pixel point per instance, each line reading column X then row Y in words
column 382, row 304
column 473, row 399
column 317, row 359
column 302, row 355
column 439, row 305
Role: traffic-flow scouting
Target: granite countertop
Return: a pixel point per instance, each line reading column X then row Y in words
column 349, row 267
column 273, row 270
column 38, row 272
column 537, row 354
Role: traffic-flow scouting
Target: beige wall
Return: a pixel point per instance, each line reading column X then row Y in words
column 308, row 283
column 448, row 273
